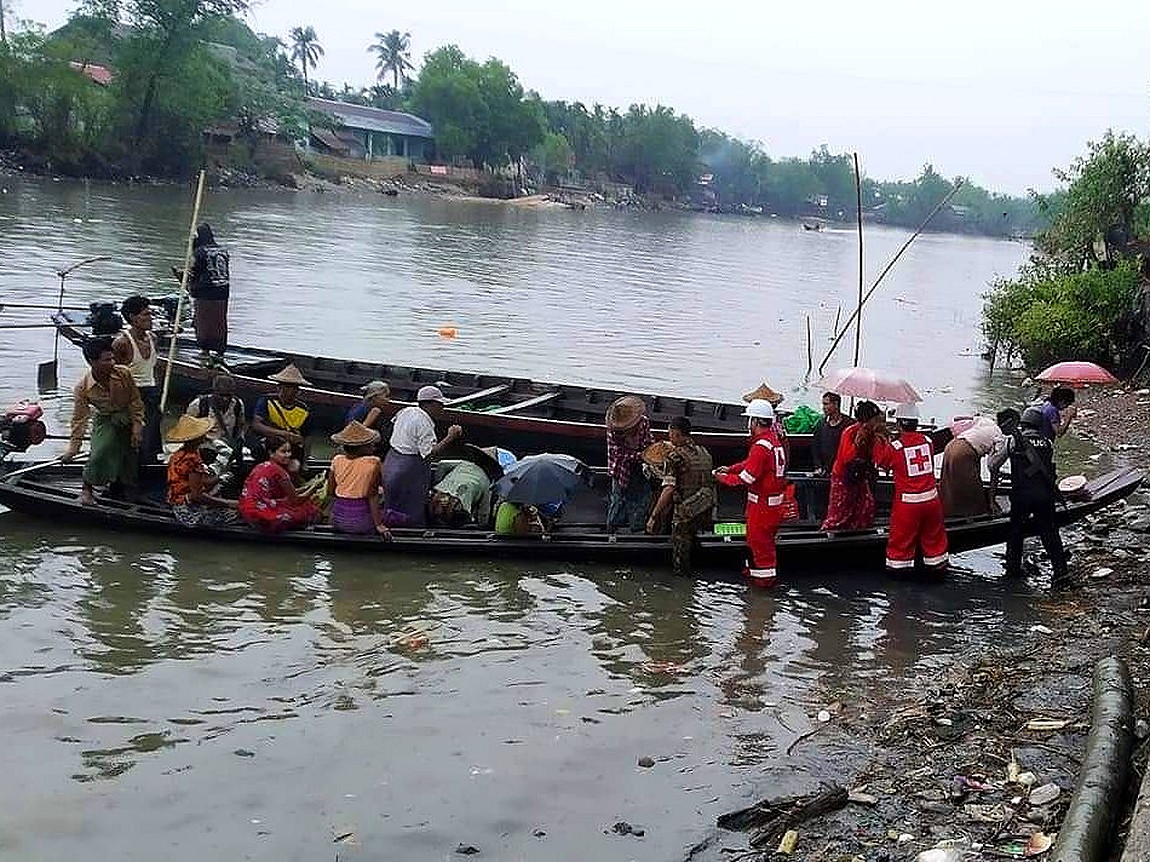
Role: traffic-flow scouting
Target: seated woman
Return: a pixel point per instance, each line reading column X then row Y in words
column 353, row 482
column 516, row 519
column 189, row 482
column 851, row 504
column 373, row 409
column 462, row 496
column 269, row 501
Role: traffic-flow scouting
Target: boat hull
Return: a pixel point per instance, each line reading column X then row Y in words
column 50, row 491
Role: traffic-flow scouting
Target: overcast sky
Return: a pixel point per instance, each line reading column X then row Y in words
column 1001, row 91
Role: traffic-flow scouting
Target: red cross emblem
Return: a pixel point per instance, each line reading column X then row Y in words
column 918, row 460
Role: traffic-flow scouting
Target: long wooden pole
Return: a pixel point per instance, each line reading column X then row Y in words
column 858, row 215
column 183, row 293
column 888, row 268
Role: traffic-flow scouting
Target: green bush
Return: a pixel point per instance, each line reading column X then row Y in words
column 1048, row 314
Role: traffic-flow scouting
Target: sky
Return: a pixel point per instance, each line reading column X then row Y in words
column 1002, row 92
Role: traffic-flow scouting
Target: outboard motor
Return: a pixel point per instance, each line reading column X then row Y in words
column 21, row 427
column 104, row 319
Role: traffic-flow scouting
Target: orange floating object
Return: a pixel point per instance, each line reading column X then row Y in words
column 447, row 332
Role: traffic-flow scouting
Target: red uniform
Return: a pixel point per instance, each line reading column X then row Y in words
column 764, row 475
column 916, row 517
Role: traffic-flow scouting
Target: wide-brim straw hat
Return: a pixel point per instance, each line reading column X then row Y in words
column 625, row 413
column 656, row 454
column 764, row 393
column 189, row 428
column 290, row 376
column 355, row 434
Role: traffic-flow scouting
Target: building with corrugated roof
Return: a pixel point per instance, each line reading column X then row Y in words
column 370, row 133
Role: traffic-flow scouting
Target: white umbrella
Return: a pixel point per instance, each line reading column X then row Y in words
column 869, row 383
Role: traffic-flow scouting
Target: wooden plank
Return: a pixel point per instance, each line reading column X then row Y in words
column 476, row 396
column 523, row 405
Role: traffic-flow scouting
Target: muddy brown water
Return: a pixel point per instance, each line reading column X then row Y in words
column 187, row 700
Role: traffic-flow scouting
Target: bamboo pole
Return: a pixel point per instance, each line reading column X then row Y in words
column 858, row 214
column 182, row 294
column 889, row 267
column 810, row 354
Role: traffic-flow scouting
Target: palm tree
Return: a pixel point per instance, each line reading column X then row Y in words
column 305, row 50
column 394, row 52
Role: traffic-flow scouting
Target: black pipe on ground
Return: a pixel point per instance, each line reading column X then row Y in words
column 1085, row 833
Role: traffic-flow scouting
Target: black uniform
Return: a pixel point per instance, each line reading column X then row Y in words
column 1033, row 493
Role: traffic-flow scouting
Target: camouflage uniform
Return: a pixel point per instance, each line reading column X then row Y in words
column 688, row 470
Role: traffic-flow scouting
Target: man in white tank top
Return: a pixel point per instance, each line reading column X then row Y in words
column 135, row 347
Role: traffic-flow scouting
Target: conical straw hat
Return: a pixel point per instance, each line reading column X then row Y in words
column 765, row 393
column 189, row 428
column 355, row 434
column 291, row 376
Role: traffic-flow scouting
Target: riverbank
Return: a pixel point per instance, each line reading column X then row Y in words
column 982, row 756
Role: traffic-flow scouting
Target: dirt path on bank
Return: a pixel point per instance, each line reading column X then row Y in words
column 979, row 760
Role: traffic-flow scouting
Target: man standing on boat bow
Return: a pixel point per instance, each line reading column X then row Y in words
column 763, row 473
column 135, row 348
column 916, row 516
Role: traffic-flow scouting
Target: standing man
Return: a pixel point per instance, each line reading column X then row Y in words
column 135, row 348
column 763, row 472
column 1033, row 487
column 916, row 517
column 1058, row 411
column 689, row 487
column 209, row 284
column 825, row 448
column 407, row 467
column 108, row 394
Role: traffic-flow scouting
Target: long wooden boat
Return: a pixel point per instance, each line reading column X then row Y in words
column 523, row 415
column 51, row 491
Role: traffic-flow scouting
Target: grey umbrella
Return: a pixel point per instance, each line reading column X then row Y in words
column 537, row 480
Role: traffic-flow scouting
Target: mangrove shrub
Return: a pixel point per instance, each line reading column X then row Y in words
column 1050, row 313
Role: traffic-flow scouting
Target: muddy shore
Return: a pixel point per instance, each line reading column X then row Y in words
column 979, row 759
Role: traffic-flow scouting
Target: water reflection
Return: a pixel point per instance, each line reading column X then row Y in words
column 471, row 669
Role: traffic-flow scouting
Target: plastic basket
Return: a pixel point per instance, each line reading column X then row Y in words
column 730, row 529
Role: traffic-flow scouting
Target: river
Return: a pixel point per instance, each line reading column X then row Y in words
column 178, row 699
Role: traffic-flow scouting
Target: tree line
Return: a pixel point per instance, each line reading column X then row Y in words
column 182, row 66
column 1083, row 293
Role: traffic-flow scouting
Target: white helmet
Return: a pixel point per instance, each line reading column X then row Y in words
column 760, row 408
column 906, row 411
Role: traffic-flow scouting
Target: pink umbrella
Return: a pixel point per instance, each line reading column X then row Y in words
column 868, row 383
column 1076, row 374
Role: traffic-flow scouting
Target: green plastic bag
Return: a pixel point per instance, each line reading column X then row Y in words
column 802, row 421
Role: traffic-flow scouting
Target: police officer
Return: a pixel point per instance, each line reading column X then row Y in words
column 1033, row 487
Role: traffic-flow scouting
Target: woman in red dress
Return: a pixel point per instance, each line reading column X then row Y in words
column 269, row 501
column 851, row 504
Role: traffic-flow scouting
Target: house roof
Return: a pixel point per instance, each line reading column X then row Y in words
column 102, row 75
column 373, row 119
column 329, row 139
